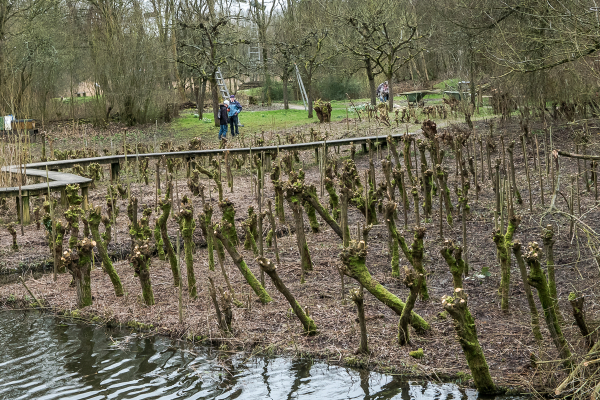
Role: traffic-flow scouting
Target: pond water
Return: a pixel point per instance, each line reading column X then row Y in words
column 46, row 358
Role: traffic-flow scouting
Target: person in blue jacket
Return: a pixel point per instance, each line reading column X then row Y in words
column 234, row 109
column 222, row 117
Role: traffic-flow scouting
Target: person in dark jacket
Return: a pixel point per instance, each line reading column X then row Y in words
column 234, row 109
column 223, row 120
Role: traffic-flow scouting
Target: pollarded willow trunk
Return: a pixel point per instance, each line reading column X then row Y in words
column 94, row 219
column 413, row 282
column 312, row 217
column 307, row 322
column 428, row 187
column 367, row 208
column 309, row 195
column 140, row 260
column 58, row 246
column 207, row 221
column 414, row 254
column 213, row 174
column 160, row 246
column 229, row 217
column 293, row 196
column 165, row 205
column 250, row 242
column 345, row 195
column 535, row 320
column 516, row 193
column 390, row 209
column 415, row 194
column 241, row 264
column 398, row 174
column 422, row 146
column 392, row 145
column 187, row 225
column 453, row 256
column 407, row 162
column 548, row 240
column 386, row 166
column 503, row 244
column 442, row 177
column 358, row 299
column 72, row 216
column 132, row 213
column 11, row 229
column 334, row 200
column 353, row 258
column 278, row 188
column 537, row 279
column 251, row 229
column 577, row 300
column 78, row 261
column 464, row 325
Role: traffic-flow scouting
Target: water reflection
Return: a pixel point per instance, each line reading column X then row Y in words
column 43, row 358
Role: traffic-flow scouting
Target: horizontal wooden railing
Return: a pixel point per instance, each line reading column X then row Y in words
column 57, row 181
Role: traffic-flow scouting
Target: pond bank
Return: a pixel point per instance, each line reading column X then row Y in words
column 51, row 358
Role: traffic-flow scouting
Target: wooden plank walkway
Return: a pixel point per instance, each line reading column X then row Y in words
column 57, row 181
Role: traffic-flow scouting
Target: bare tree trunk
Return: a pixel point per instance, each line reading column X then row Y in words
column 200, row 98
column 267, row 266
column 371, row 78
column 285, row 78
column 215, row 97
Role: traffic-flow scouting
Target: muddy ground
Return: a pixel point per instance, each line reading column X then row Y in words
column 505, row 337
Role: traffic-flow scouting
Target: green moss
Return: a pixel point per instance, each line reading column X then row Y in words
column 465, row 328
column 241, row 264
column 418, row 354
column 208, row 211
column 334, row 200
column 229, row 216
column 73, row 197
column 353, row 259
column 160, row 248
column 503, row 245
column 187, row 225
column 573, row 296
column 139, row 326
column 537, row 279
column 94, row 223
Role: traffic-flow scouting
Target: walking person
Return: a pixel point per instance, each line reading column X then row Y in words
column 385, row 91
column 222, row 116
column 234, row 109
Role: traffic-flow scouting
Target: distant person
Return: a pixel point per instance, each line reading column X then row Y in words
column 222, row 117
column 234, row 109
column 385, row 92
column 379, row 91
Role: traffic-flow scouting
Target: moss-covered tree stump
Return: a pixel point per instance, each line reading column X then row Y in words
column 78, row 261
column 538, row 280
column 140, row 261
column 464, row 325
